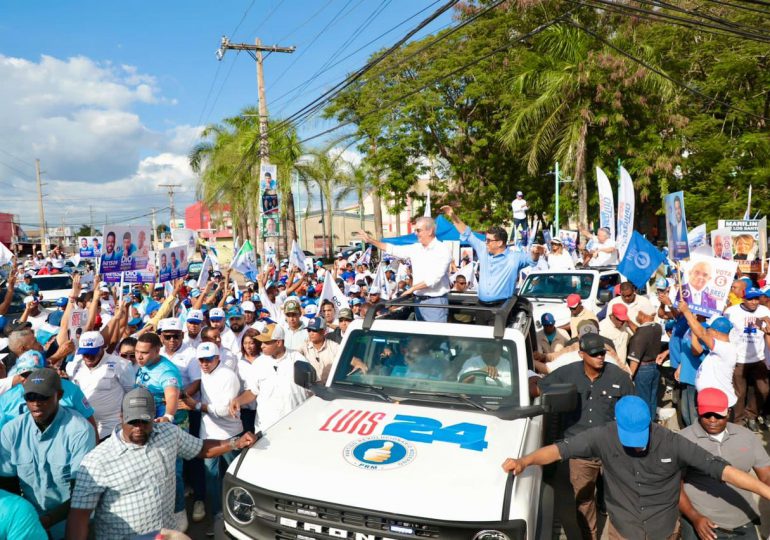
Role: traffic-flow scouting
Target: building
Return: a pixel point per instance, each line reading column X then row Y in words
column 216, row 229
column 10, row 230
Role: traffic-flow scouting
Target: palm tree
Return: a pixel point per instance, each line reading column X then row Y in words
column 326, row 168
column 357, row 182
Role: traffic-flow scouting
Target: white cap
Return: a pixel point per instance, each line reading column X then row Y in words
column 311, row 309
column 171, row 324
column 230, row 299
column 104, row 287
column 90, row 343
column 354, row 288
column 206, row 350
column 191, row 283
column 29, row 299
column 159, row 286
column 195, row 316
column 217, row 313
column 249, row 306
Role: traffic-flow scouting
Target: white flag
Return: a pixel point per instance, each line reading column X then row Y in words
column 205, row 274
column 297, row 256
column 333, row 293
column 747, row 213
column 75, row 259
column 366, row 256
column 606, row 202
column 626, row 206
column 426, row 213
column 214, row 259
column 696, row 236
column 245, row 260
column 6, row 255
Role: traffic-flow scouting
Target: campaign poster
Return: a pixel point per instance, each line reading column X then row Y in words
column 271, row 225
column 268, row 187
column 568, row 239
column 125, row 248
column 77, row 322
column 186, row 237
column 722, row 244
column 466, row 255
column 172, row 263
column 271, row 254
column 749, row 242
column 141, row 275
column 697, row 237
column 676, row 226
column 90, row 247
column 706, row 283
column 547, row 238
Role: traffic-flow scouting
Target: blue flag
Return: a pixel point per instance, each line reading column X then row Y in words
column 640, row 261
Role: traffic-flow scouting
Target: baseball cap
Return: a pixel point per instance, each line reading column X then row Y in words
column 722, row 325
column 319, row 263
column 620, row 311
column 592, row 344
column 138, row 404
column 159, row 286
column 249, row 306
column 311, row 309
column 44, row 381
column 216, row 274
column 216, row 314
column 195, row 293
column 661, row 284
column 195, row 316
column 271, row 332
column 136, row 321
column 28, row 361
column 346, row 314
column 547, row 319
column 90, row 342
column 712, row 400
column 356, row 302
column 291, row 306
column 55, row 318
column 519, row 194
column 632, row 415
column 234, row 312
column 556, row 241
column 206, row 350
column 354, row 288
column 269, row 284
column 62, row 302
column 588, row 326
column 316, row 324
column 230, row 299
column 31, row 298
column 374, row 290
column 752, row 292
column 170, row 324
column 573, row 300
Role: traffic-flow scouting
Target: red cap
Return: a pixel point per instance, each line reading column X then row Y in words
column 712, row 400
column 620, row 311
column 573, row 300
column 616, row 290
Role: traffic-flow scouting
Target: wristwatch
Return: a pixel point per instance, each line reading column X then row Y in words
column 234, row 443
column 197, row 405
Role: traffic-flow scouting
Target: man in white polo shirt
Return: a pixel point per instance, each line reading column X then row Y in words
column 219, row 386
column 183, row 357
column 192, row 334
column 103, row 378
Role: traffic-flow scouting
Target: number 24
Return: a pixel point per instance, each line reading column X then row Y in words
column 428, row 430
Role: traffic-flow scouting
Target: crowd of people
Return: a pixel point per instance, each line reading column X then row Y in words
column 107, row 426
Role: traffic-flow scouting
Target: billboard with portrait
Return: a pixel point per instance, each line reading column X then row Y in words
column 676, row 226
column 722, row 244
column 125, row 248
column 271, row 225
column 706, row 283
column 749, row 242
column 172, row 263
column 268, row 188
column 89, row 247
column 568, row 239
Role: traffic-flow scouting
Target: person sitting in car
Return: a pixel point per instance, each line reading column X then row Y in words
column 489, row 361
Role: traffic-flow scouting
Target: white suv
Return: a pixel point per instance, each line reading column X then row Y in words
column 410, row 446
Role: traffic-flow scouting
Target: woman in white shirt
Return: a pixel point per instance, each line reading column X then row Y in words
column 559, row 259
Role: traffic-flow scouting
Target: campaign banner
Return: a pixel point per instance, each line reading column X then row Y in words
column 626, row 206
column 568, row 239
column 89, row 247
column 722, row 244
column 77, row 322
column 172, row 263
column 125, row 248
column 676, row 226
column 706, row 283
column 131, row 276
column 185, row 237
column 749, row 242
column 271, row 225
column 606, row 203
column 332, row 292
column 268, row 187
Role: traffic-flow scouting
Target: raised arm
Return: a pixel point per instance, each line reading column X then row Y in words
column 93, row 307
column 11, row 285
column 370, row 240
column 697, row 328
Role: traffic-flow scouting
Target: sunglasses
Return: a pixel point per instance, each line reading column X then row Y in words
column 139, row 423
column 315, row 331
column 36, row 397
column 128, row 356
column 176, row 337
column 714, row 415
column 488, row 240
column 207, row 359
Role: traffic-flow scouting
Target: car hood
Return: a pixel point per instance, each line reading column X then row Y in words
column 333, row 451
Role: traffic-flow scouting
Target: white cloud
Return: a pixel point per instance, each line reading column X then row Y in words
column 79, row 117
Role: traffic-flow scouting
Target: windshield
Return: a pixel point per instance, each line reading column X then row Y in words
column 53, row 283
column 415, row 366
column 557, row 285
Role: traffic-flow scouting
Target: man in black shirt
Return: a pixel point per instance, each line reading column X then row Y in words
column 599, row 385
column 643, row 350
column 643, row 465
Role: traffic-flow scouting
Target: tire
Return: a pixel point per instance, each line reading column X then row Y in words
column 544, row 529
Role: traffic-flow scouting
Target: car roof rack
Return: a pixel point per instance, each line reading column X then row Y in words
column 502, row 312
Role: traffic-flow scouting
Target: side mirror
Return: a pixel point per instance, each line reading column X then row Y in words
column 559, row 398
column 604, row 296
column 304, row 375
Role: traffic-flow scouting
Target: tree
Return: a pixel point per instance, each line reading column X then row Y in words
column 84, row 230
column 359, row 182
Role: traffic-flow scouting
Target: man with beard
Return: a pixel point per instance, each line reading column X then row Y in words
column 128, row 482
column 110, row 254
column 231, row 337
column 192, row 336
column 103, row 378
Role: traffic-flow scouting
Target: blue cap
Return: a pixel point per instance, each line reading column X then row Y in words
column 356, row 302
column 136, row 321
column 752, row 293
column 319, row 263
column 632, row 415
column 234, row 311
column 721, row 324
column 269, row 284
column 263, row 311
column 316, row 323
column 547, row 319
column 152, row 306
column 195, row 293
column 55, row 318
column 62, row 302
column 661, row 284
column 29, row 361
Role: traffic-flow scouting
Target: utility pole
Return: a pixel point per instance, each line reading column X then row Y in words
column 171, row 188
column 43, row 243
column 91, row 211
column 256, row 51
column 154, row 234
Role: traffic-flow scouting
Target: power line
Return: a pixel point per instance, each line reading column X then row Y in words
column 264, row 21
column 738, row 6
column 23, row 162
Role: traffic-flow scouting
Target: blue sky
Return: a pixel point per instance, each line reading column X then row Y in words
column 109, row 95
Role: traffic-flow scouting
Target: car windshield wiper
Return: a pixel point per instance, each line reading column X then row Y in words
column 370, row 389
column 465, row 398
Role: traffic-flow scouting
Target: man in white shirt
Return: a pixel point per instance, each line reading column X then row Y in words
column 604, row 252
column 751, row 324
column 519, row 207
column 294, row 331
column 430, row 268
column 319, row 351
column 634, row 304
column 615, row 328
column 226, row 358
column 170, row 332
column 491, row 361
column 36, row 315
column 219, row 386
column 192, row 335
column 271, row 380
column 231, row 337
column 103, row 378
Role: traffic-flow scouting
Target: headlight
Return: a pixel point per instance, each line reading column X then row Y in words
column 240, row 503
column 491, row 535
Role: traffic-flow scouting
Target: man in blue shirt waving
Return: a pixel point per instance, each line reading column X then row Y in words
column 499, row 267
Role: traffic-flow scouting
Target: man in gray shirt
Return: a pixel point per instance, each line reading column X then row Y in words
column 710, row 508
